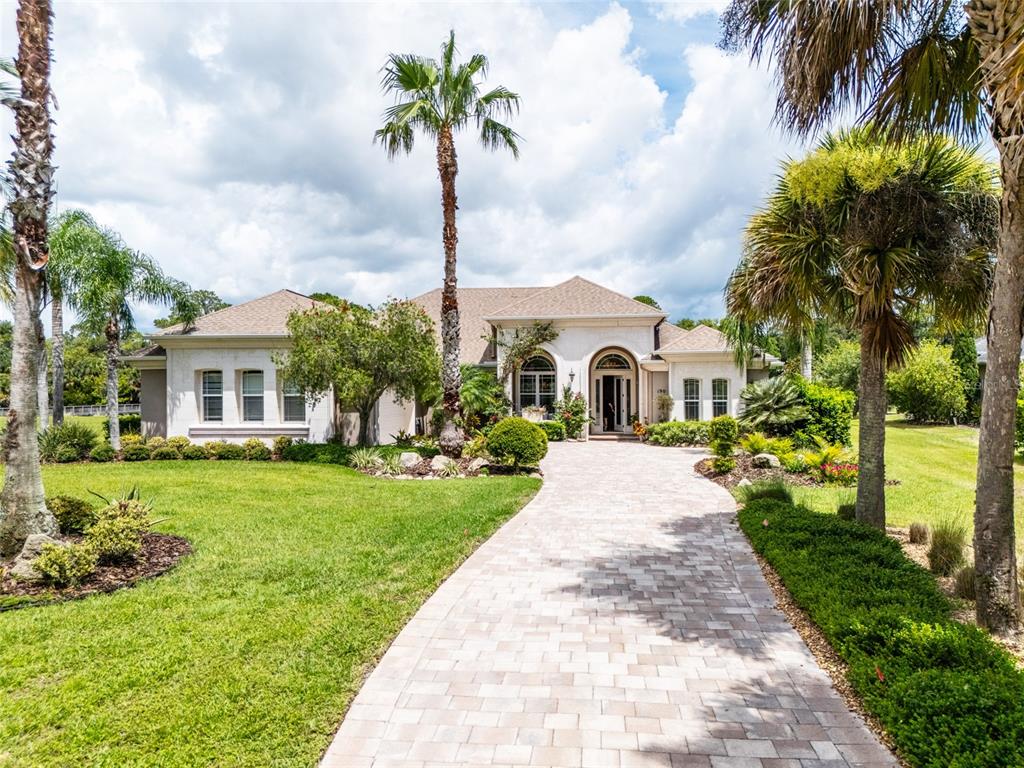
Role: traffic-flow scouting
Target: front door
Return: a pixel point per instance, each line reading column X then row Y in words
column 615, row 398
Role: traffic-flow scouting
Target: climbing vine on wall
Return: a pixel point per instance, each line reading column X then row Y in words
column 522, row 344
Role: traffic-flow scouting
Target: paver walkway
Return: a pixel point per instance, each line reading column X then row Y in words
column 619, row 619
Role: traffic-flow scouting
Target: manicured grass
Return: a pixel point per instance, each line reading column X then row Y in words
column 248, row 653
column 95, row 423
column 945, row 692
column 936, row 468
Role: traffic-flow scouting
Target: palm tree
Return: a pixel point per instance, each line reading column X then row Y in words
column 102, row 281
column 938, row 67
column 865, row 233
column 441, row 99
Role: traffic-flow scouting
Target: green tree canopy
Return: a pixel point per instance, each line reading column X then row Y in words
column 648, row 300
column 361, row 354
column 205, row 302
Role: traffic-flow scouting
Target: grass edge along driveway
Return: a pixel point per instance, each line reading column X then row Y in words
column 249, row 652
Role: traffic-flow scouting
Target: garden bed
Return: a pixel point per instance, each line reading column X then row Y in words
column 160, row 552
column 745, row 470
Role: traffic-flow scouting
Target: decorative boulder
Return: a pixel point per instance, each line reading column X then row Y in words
column 22, row 568
column 743, row 483
column 439, row 462
column 409, row 459
column 766, row 461
column 476, row 465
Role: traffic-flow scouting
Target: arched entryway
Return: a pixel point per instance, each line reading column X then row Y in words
column 614, row 395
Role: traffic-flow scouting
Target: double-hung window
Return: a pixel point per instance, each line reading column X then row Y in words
column 691, row 399
column 252, row 395
column 213, row 396
column 719, row 397
column 294, row 402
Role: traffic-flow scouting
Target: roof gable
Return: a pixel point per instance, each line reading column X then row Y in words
column 576, row 297
column 265, row 316
column 703, row 338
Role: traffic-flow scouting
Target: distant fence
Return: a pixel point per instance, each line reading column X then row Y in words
column 92, row 410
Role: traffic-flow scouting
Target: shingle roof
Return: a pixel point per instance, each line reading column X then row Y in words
column 474, row 305
column 703, row 338
column 265, row 316
column 576, row 297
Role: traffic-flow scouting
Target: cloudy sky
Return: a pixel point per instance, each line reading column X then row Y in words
column 234, row 144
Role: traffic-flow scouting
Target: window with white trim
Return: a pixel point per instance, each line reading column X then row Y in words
column 691, row 399
column 719, row 397
column 252, row 395
column 213, row 396
column 293, row 403
column 537, row 384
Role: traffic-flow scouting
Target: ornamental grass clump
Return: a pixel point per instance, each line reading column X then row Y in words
column 963, row 583
column 946, row 553
column 918, row 533
column 365, row 459
column 776, row 490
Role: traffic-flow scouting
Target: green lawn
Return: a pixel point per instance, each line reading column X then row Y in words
column 936, row 468
column 95, row 423
column 249, row 652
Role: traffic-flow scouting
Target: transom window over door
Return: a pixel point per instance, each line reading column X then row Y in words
column 537, row 384
column 252, row 395
column 294, row 403
column 719, row 397
column 613, row 362
column 691, row 399
column 213, row 396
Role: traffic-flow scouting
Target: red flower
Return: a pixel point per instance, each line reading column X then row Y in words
column 879, row 674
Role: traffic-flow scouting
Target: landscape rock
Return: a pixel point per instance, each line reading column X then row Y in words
column 409, row 459
column 744, row 482
column 439, row 462
column 476, row 465
column 766, row 461
column 22, row 568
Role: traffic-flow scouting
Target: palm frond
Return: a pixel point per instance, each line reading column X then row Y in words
column 495, row 135
column 396, row 138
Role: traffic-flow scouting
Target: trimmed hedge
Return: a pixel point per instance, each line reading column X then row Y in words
column 679, row 433
column 130, row 424
column 555, row 430
column 830, row 413
column 944, row 691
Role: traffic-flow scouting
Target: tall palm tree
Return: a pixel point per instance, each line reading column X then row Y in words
column 938, row 66
column 440, row 99
column 103, row 280
column 865, row 233
column 22, row 503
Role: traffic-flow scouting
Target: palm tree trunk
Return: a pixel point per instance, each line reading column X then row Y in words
column 451, row 437
column 23, row 509
column 42, row 384
column 993, row 24
column 57, row 323
column 873, row 405
column 113, row 334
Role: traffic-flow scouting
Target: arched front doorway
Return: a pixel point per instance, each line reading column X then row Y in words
column 613, row 391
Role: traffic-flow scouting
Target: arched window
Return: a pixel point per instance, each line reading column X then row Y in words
column 537, row 384
column 613, row 362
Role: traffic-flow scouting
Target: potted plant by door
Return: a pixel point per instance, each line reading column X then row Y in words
column 535, row 413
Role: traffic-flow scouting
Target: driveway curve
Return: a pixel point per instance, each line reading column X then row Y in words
column 619, row 619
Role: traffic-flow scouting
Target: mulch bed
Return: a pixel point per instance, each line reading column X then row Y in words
column 422, row 470
column 160, row 552
column 745, row 469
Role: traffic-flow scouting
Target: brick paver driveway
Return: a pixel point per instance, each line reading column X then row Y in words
column 620, row 619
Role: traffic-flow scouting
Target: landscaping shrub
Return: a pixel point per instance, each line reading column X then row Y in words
column 449, row 469
column 839, row 367
column 224, row 451
column 1018, row 426
column 918, row 533
column 156, row 442
column 317, row 453
column 777, row 490
column 476, row 448
column 574, row 414
column 829, row 413
column 65, row 565
column 518, row 442
column 179, row 443
column 391, row 464
column 281, row 444
column 963, row 583
column 555, row 430
column 664, row 403
column 115, row 539
column 678, row 433
column 945, row 692
column 847, row 510
column 255, row 450
column 946, row 553
column 774, row 406
column 75, row 439
column 840, row 474
column 723, row 432
column 73, row 515
column 194, row 453
column 103, row 453
column 132, row 439
column 130, row 423
column 164, row 453
column 755, row 443
column 364, row 459
column 928, row 388
column 134, row 452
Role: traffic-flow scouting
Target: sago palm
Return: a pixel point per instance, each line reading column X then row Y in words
column 22, row 503
column 773, row 406
column 947, row 67
column 866, row 234
column 438, row 99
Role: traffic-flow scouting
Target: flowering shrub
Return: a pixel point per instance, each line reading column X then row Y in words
column 572, row 411
column 640, row 429
column 840, row 474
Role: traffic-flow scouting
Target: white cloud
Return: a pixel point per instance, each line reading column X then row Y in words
column 684, row 10
column 233, row 143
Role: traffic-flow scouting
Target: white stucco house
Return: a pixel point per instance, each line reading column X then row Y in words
column 218, row 381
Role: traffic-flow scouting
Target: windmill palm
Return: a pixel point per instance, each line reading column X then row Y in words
column 105, row 279
column 939, row 67
column 23, row 509
column 439, row 99
column 866, row 234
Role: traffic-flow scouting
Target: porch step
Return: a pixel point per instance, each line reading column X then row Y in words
column 615, row 438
